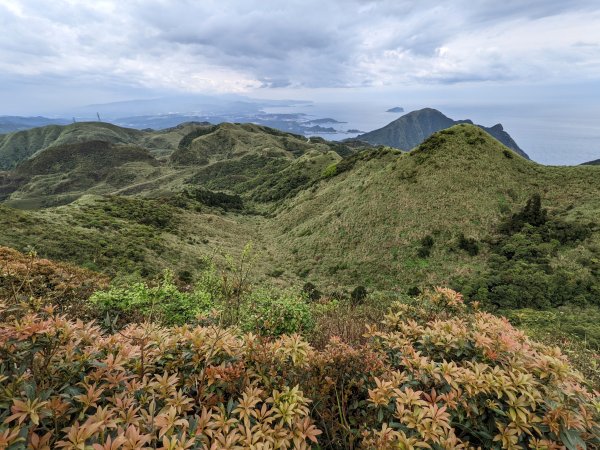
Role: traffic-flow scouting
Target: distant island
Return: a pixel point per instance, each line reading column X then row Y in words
column 322, row 121
column 354, row 130
column 397, row 109
column 320, row 129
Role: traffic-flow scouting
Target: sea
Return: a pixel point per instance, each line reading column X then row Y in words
column 550, row 134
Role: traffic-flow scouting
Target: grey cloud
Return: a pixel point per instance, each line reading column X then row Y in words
column 269, row 44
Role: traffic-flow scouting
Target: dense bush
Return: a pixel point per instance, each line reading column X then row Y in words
column 330, row 171
column 164, row 303
column 525, row 268
column 146, row 212
column 358, row 295
column 27, row 278
column 271, row 312
column 311, row 291
column 469, row 245
column 264, row 310
column 215, row 199
column 67, row 385
column 424, row 250
column 433, row 375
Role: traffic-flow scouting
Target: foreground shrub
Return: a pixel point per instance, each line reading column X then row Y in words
column 164, row 302
column 433, row 375
column 26, row 278
column 66, row 385
column 270, row 312
column 461, row 379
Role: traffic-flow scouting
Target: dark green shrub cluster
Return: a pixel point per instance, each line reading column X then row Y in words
column 532, row 214
column 283, row 185
column 424, row 250
column 215, row 199
column 153, row 213
column 311, row 291
column 469, row 245
column 525, row 268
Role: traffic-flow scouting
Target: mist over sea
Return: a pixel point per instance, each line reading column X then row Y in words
column 550, row 134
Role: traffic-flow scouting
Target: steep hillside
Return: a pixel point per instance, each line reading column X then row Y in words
column 367, row 223
column 378, row 217
column 62, row 173
column 17, row 147
column 229, row 157
column 413, row 128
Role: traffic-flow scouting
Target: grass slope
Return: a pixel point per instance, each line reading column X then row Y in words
column 365, row 224
column 360, row 220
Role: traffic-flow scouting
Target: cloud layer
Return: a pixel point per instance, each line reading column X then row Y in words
column 242, row 45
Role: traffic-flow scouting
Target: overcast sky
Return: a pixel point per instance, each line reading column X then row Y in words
column 71, row 52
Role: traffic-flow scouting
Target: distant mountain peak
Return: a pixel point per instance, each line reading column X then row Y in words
column 411, row 129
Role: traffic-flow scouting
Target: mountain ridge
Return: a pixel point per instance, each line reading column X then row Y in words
column 410, row 130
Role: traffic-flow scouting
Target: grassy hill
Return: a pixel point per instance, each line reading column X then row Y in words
column 276, row 253
column 229, row 157
column 19, row 146
column 364, row 219
column 366, row 224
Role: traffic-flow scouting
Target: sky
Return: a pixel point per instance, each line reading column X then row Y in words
column 65, row 53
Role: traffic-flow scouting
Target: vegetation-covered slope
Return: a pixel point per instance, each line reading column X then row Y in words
column 19, row 146
column 367, row 224
column 413, row 128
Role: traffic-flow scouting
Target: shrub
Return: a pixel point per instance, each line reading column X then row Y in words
column 27, row 278
column 532, row 214
column 462, row 378
column 66, row 385
column 358, row 295
column 311, row 291
column 426, row 245
column 270, row 312
column 330, row 171
column 434, row 374
column 164, row 302
column 215, row 199
column 469, row 245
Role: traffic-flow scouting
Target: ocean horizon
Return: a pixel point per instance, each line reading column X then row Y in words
column 550, row 134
